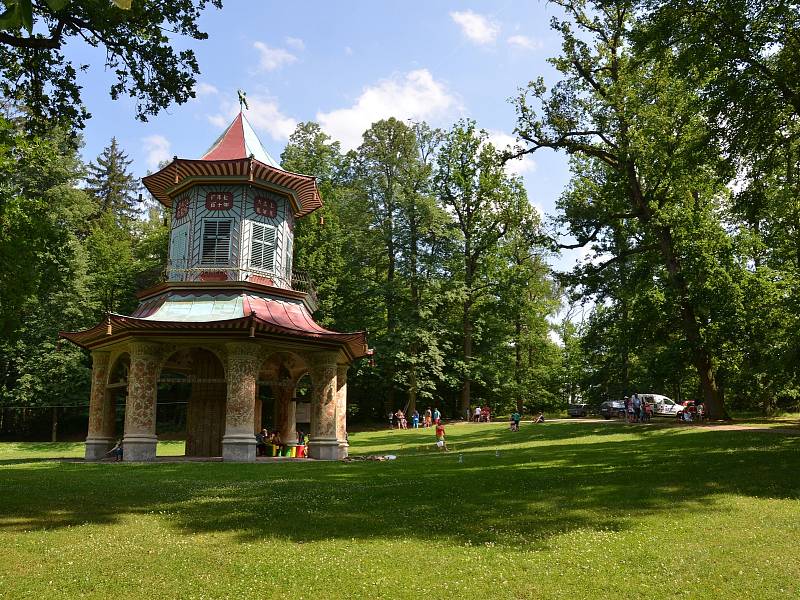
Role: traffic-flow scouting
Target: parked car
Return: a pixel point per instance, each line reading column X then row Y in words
column 662, row 406
column 579, row 409
column 612, row 408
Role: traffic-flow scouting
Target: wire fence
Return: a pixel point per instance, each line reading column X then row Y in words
column 71, row 422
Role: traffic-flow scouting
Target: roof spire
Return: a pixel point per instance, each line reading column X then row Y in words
column 242, row 100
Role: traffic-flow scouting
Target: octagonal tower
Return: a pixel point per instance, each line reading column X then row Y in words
column 231, row 315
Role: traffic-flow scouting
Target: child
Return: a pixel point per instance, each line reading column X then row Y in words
column 515, row 419
column 116, row 451
column 440, row 441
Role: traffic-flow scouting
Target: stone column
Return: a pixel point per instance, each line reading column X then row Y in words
column 97, row 440
column 239, row 442
column 285, row 415
column 323, row 443
column 139, row 443
column 341, row 409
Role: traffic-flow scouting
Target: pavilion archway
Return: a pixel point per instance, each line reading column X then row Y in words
column 197, row 374
column 109, row 389
column 279, row 374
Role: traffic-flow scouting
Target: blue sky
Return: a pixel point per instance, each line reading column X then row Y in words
column 344, row 65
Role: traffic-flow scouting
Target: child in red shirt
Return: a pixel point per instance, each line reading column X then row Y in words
column 440, row 437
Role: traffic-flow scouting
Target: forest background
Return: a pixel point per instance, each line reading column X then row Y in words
column 681, row 123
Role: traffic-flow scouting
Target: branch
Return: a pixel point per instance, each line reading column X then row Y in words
column 51, row 43
column 588, row 78
column 565, row 142
column 625, row 254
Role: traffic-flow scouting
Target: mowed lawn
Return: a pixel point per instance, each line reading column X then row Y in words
column 559, row 510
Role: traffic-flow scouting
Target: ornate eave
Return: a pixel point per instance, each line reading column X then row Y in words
column 268, row 326
column 176, row 176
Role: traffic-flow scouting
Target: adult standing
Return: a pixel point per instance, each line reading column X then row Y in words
column 477, row 414
column 428, row 418
column 637, row 407
column 437, row 416
column 415, row 419
column 261, row 443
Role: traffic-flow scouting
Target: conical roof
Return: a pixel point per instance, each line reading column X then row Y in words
column 239, row 141
column 229, row 157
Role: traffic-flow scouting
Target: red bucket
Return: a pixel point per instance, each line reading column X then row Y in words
column 301, row 451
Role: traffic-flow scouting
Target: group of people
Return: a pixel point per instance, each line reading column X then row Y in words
column 637, row 410
column 428, row 419
column 482, row 414
column 265, row 439
column 692, row 411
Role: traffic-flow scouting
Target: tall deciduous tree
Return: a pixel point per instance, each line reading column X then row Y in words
column 484, row 203
column 644, row 128
column 386, row 159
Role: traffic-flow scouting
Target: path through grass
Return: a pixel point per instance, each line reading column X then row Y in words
column 560, row 510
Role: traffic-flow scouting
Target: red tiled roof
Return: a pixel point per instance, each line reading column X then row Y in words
column 268, row 316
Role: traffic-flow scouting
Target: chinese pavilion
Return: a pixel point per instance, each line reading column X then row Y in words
column 231, row 315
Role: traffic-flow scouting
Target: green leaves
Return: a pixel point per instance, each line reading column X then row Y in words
column 18, row 14
column 34, row 72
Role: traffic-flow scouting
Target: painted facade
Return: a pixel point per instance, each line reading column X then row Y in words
column 231, row 315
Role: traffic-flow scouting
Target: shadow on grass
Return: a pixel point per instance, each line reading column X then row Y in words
column 580, row 478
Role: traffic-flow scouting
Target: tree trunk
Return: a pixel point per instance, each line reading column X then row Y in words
column 518, row 363
column 54, row 428
column 625, row 348
column 701, row 357
column 412, row 390
column 465, row 388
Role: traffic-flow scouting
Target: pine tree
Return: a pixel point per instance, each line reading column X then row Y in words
column 112, row 186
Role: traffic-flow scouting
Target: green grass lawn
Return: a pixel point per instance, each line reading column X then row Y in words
column 560, row 510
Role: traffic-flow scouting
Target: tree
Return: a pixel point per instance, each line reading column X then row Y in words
column 385, row 163
column 485, row 203
column 37, row 75
column 318, row 245
column 43, row 268
column 641, row 125
column 421, row 223
column 113, row 187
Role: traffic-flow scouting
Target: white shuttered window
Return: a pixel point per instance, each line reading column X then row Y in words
column 216, row 242
column 289, row 257
column 262, row 247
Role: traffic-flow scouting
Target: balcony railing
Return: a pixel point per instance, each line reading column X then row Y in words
column 186, row 271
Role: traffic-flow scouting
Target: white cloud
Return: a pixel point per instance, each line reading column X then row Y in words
column 503, row 141
column 157, row 148
column 295, row 43
column 273, row 58
column 205, row 89
column 219, row 120
column 415, row 95
column 264, row 114
column 523, row 42
column 476, row 27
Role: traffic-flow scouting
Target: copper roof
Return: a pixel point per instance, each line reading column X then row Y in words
column 219, row 315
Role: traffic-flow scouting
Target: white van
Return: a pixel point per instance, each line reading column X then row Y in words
column 662, row 406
